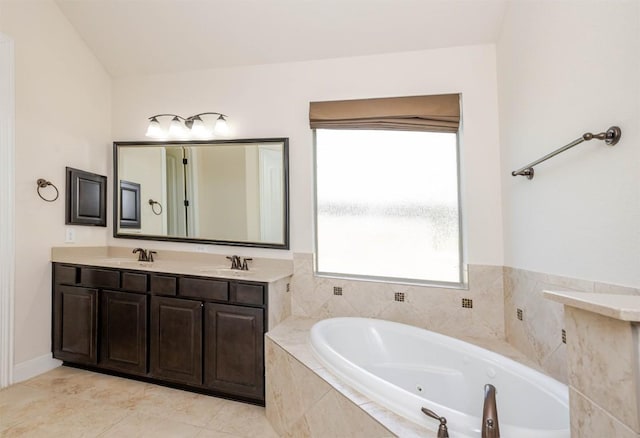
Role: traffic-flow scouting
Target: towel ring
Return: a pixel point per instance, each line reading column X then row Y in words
column 153, row 204
column 42, row 183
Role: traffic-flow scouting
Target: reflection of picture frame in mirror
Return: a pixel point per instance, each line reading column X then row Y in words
column 130, row 205
column 86, row 200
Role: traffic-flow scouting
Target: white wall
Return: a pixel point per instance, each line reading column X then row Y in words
column 144, row 166
column 272, row 101
column 565, row 68
column 62, row 119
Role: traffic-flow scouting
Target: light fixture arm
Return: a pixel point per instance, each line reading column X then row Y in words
column 166, row 115
column 204, row 114
column 154, row 129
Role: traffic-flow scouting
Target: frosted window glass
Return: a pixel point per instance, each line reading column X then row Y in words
column 387, row 204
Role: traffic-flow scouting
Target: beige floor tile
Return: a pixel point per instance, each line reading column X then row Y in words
column 68, row 402
column 147, row 426
column 68, row 417
column 243, row 420
column 90, row 386
column 18, row 402
column 208, row 433
column 182, row 406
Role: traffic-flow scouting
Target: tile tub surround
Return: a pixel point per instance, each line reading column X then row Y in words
column 434, row 308
column 303, row 399
column 539, row 334
column 603, row 362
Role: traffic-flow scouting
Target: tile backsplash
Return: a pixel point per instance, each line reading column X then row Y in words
column 535, row 325
column 433, row 308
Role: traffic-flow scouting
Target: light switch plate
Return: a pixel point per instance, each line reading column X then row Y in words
column 69, row 235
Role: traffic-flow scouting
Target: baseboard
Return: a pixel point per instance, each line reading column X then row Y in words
column 34, row 367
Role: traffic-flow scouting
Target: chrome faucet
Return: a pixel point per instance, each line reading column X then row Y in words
column 490, row 425
column 443, row 432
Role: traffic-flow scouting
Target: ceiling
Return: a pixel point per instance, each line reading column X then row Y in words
column 138, row 37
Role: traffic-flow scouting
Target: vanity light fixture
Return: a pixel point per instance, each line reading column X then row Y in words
column 187, row 127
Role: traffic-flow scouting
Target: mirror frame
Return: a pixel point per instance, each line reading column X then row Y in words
column 285, row 162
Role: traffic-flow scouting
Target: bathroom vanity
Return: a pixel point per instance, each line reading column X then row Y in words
column 178, row 322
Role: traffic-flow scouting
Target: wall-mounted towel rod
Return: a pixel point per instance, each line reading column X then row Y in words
column 610, row 137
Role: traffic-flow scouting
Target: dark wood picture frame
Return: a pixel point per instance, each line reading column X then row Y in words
column 86, row 198
column 130, row 205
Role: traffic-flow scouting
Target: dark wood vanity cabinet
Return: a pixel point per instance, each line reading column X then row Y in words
column 123, row 337
column 176, row 340
column 75, row 324
column 234, row 349
column 205, row 333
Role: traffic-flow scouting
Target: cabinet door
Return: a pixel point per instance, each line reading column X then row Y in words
column 123, row 339
column 75, row 324
column 176, row 340
column 234, row 350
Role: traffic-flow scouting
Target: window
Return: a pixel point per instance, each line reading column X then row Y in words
column 387, row 191
column 387, row 205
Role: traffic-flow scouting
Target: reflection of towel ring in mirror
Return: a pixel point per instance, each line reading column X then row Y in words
column 42, row 183
column 153, row 204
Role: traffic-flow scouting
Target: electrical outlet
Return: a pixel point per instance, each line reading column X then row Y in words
column 69, row 235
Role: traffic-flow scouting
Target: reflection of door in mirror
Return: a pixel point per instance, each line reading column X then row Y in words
column 145, row 167
column 271, row 194
column 175, row 188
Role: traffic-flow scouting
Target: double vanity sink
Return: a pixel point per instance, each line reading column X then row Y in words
column 215, row 270
column 185, row 319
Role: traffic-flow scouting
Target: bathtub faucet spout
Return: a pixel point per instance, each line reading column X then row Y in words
column 442, row 429
column 490, row 426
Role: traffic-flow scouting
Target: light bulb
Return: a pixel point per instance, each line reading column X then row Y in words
column 221, row 126
column 176, row 128
column 198, row 129
column 154, row 130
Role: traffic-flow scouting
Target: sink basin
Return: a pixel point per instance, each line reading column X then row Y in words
column 224, row 271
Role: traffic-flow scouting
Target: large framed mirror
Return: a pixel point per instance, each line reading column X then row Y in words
column 227, row 192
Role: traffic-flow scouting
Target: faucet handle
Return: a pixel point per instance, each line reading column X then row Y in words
column 235, row 261
column 245, row 266
column 150, row 255
column 443, row 432
column 142, row 254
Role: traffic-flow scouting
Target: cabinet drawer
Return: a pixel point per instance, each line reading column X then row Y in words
column 163, row 284
column 65, row 274
column 134, row 282
column 205, row 289
column 94, row 277
column 247, row 293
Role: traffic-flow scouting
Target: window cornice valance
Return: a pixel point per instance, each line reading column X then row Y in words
column 436, row 113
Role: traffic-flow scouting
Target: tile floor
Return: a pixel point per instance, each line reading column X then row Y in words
column 68, row 402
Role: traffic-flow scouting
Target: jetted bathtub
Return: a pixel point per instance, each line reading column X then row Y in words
column 405, row 368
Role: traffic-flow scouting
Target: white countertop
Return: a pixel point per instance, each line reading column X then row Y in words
column 175, row 262
column 622, row 307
